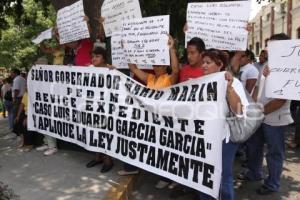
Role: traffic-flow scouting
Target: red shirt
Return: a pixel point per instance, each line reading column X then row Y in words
column 188, row 72
column 83, row 55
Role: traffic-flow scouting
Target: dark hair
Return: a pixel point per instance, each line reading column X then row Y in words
column 16, row 71
column 100, row 51
column 8, row 80
column 198, row 42
column 250, row 54
column 218, row 56
column 280, row 36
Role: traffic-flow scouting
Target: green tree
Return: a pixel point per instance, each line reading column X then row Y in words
column 16, row 48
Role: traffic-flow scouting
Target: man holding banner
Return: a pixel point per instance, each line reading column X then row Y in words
column 277, row 116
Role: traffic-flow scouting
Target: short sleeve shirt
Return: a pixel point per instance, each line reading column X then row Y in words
column 188, row 72
column 161, row 82
column 247, row 72
column 19, row 84
column 25, row 102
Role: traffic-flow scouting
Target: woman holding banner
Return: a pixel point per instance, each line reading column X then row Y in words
column 213, row 62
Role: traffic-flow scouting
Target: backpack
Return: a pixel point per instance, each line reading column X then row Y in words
column 8, row 95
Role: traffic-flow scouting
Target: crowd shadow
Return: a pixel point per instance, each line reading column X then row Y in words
column 62, row 176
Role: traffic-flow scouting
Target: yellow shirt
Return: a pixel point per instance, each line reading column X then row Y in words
column 58, row 57
column 25, row 102
column 162, row 81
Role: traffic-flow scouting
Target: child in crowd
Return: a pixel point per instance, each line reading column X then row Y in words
column 159, row 80
column 99, row 60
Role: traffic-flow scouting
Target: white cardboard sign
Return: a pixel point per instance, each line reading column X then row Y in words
column 145, row 40
column 284, row 63
column 221, row 25
column 115, row 11
column 70, row 23
column 45, row 35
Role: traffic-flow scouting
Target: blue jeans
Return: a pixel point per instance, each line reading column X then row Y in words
column 273, row 136
column 9, row 107
column 228, row 155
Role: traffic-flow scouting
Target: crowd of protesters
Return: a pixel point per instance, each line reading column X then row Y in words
column 243, row 75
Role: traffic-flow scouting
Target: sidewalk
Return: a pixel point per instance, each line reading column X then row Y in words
column 62, row 176
column 290, row 184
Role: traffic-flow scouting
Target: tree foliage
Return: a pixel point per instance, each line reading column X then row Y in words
column 21, row 20
column 15, row 9
column 16, row 48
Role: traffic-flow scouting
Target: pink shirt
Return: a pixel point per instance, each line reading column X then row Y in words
column 83, row 55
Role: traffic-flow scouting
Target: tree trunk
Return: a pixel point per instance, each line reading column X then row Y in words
column 92, row 9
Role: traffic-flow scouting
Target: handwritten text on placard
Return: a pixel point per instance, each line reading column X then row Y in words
column 284, row 79
column 118, row 56
column 145, row 40
column 220, row 25
column 115, row 11
column 70, row 23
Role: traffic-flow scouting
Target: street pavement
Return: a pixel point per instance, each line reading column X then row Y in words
column 290, row 183
column 63, row 176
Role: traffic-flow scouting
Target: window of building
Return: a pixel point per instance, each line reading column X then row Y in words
column 298, row 33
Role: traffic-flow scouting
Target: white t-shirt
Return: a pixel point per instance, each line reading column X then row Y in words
column 19, row 83
column 280, row 117
column 247, row 72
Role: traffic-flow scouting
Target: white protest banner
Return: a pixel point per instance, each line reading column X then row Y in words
column 221, row 25
column 115, row 11
column 70, row 23
column 118, row 56
column 284, row 63
column 47, row 34
column 176, row 132
column 145, row 40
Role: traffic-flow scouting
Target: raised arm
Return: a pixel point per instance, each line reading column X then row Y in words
column 174, row 60
column 87, row 19
column 139, row 73
column 233, row 98
column 101, row 32
column 45, row 49
column 250, row 84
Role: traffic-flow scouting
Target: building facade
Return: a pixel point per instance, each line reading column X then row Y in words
column 276, row 17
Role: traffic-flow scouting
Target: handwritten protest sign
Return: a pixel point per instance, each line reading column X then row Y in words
column 145, row 40
column 176, row 132
column 221, row 25
column 47, row 34
column 70, row 23
column 118, row 56
column 284, row 79
column 115, row 11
